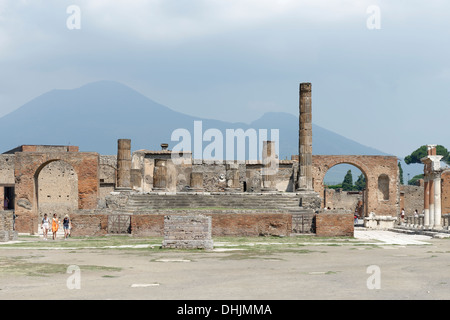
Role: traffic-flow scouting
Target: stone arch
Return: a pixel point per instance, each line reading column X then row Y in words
column 28, row 165
column 56, row 187
column 372, row 167
column 319, row 185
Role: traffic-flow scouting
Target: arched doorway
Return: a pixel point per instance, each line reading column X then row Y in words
column 56, row 189
column 344, row 187
column 381, row 195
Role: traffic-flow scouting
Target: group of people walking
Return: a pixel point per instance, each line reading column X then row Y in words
column 54, row 226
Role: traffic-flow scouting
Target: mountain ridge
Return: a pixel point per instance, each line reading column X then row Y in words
column 95, row 115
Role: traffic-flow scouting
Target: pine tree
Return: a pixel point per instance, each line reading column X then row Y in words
column 360, row 184
column 400, row 172
column 347, row 184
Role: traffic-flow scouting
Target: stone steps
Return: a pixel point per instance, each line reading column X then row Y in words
column 237, row 201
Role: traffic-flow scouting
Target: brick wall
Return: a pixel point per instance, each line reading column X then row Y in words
column 258, row 224
column 445, row 196
column 334, row 224
column 381, row 172
column 89, row 224
column 29, row 164
column 411, row 198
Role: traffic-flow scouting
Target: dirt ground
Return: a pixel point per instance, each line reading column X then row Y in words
column 292, row 268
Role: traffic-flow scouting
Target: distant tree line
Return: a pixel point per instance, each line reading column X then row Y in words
column 420, row 153
column 347, row 183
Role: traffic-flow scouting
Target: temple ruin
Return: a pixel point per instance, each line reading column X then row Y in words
column 132, row 191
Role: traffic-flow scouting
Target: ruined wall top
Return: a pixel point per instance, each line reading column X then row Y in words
column 43, row 148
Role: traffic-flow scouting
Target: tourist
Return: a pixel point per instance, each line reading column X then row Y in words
column 66, row 226
column 6, row 203
column 45, row 226
column 402, row 216
column 416, row 213
column 55, row 226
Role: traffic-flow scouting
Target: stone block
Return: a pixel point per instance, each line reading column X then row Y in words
column 187, row 232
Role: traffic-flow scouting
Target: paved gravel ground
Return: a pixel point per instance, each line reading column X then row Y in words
column 374, row 265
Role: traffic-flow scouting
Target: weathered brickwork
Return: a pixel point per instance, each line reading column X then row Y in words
column 445, row 196
column 382, row 192
column 223, row 224
column 411, row 198
column 335, row 224
column 28, row 165
column 187, row 232
column 89, row 224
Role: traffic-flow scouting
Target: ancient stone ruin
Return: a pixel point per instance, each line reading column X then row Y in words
column 242, row 198
column 187, row 232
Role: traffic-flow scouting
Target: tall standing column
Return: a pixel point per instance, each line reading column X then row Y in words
column 426, row 204
column 305, row 139
column 431, row 201
column 437, row 201
column 269, row 167
column 124, row 163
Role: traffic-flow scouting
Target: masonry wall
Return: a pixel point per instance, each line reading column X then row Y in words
column 57, row 192
column 7, row 169
column 412, row 198
column 27, row 168
column 334, row 225
column 339, row 199
column 89, row 224
column 445, row 196
column 381, row 173
column 145, row 225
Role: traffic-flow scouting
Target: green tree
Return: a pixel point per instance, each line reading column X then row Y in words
column 421, row 152
column 400, row 172
column 347, row 184
column 414, row 179
column 360, row 184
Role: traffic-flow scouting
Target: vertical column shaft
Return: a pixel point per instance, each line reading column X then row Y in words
column 437, row 201
column 269, row 165
column 426, row 204
column 305, row 139
column 431, row 201
column 124, row 163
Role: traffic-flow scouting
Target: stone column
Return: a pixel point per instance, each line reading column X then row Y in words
column 196, row 184
column 124, row 163
column 437, row 201
column 269, row 167
column 426, row 204
column 160, row 175
column 305, row 139
column 431, row 202
column 232, row 175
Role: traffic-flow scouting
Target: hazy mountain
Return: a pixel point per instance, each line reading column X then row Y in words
column 94, row 116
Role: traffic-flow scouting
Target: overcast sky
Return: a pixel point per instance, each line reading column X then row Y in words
column 382, row 82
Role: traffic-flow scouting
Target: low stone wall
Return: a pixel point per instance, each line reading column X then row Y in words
column 89, row 224
column 335, row 223
column 187, row 232
column 418, row 221
column 223, row 224
column 379, row 222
